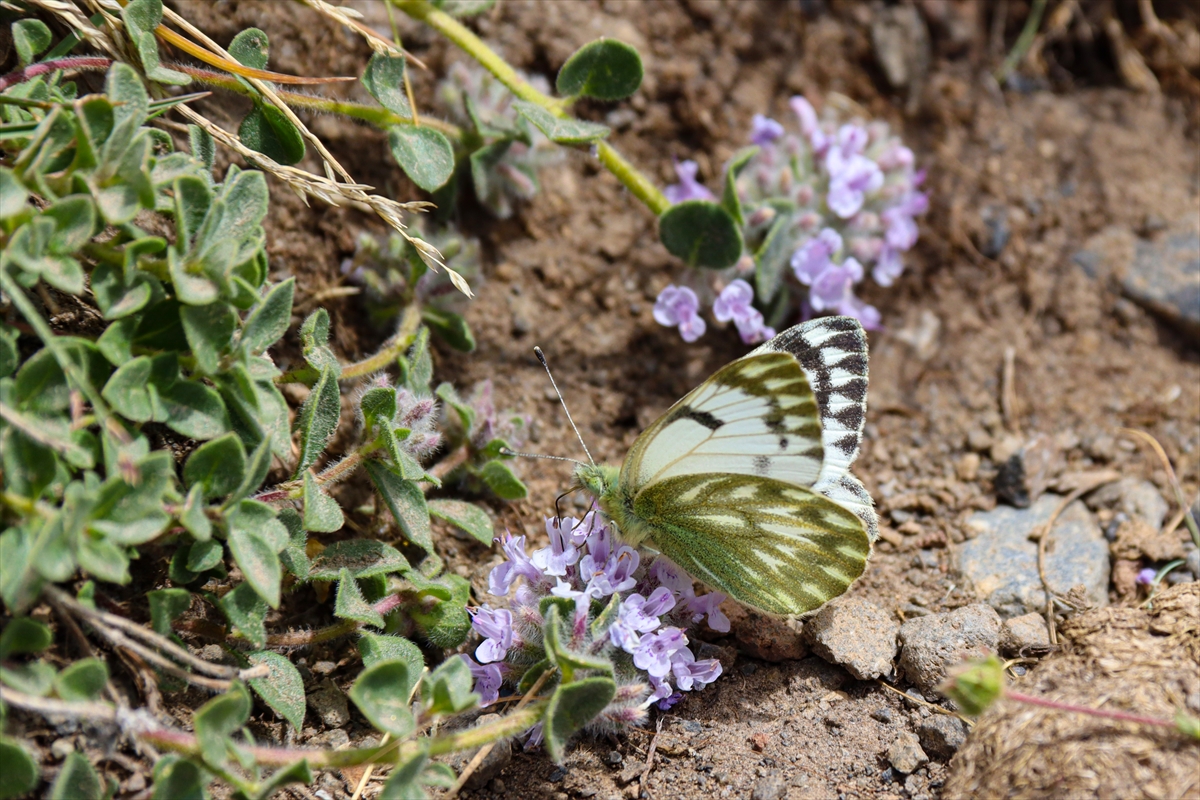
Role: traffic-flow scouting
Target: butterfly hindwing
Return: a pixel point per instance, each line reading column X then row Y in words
column 756, row 416
column 780, row 548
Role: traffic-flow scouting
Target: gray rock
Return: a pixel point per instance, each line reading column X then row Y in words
column 493, row 763
column 1134, row 496
column 942, row 735
column 905, row 755
column 931, row 645
column 1024, row 635
column 769, row 787
column 329, row 704
column 1193, row 563
column 856, row 634
column 1001, row 560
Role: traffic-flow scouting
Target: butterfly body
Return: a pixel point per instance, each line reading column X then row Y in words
column 745, row 481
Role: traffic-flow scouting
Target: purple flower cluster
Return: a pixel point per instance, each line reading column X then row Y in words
column 835, row 202
column 644, row 634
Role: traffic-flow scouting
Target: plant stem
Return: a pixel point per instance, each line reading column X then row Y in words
column 1094, row 712
column 637, row 183
column 34, row 70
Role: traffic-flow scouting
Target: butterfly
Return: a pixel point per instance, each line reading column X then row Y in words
column 745, row 481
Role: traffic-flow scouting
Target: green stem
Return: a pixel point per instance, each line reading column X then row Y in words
column 637, row 183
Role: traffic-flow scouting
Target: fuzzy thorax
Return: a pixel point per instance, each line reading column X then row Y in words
column 604, row 483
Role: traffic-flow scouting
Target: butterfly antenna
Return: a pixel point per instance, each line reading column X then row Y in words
column 504, row 451
column 542, row 358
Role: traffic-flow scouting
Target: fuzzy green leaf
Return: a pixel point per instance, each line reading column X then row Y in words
column 378, row 404
column 464, row 8
column 363, row 557
column 166, row 605
column 77, row 780
column 31, row 37
column 269, row 321
column 322, row 514
column 217, row 466
column 202, row 145
column 406, row 501
column 446, row 623
column 376, row 647
column 18, row 771
column 605, row 69
column 283, row 689
column 217, row 720
column 82, row 681
column 701, row 233
column 251, row 48
column 384, row 79
column 563, row 130
column 192, row 515
column 193, row 409
column 205, row 555
column 729, row 197
column 257, row 558
column 572, row 706
column 466, row 516
column 12, row 194
column 381, row 693
column 178, row 779
column 447, row 690
column 424, row 154
column 268, row 131
column 318, row 418
column 451, row 327
column 23, row 635
column 209, row 330
column 350, row 603
column 35, row 678
column 295, row 556
column 500, row 478
column 404, row 782
column 247, row 612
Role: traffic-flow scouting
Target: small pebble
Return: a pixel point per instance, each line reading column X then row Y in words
column 614, row 758
column 883, row 715
column 942, row 735
column 769, row 787
column 905, row 754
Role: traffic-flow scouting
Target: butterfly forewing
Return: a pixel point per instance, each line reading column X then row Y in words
column 757, row 416
column 770, row 545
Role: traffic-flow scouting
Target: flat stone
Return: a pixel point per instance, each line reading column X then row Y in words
column 856, row 634
column 905, row 755
column 942, row 735
column 328, row 702
column 1024, row 635
column 932, row 644
column 769, row 787
column 1001, row 559
column 1134, row 496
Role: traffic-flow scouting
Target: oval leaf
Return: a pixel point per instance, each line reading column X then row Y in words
column 605, row 69
column 701, row 233
column 572, row 706
column 384, row 79
column 378, row 694
column 283, row 689
column 424, row 154
column 466, row 516
column 564, row 130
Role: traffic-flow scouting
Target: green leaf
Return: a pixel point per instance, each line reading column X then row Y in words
column 217, row 720
column 192, row 515
column 774, row 254
column 82, row 681
column 321, row 512
column 446, row 623
column 318, row 418
column 466, row 516
column 247, row 612
column 406, row 501
column 178, row 779
column 350, row 603
column 203, row 148
column 35, row 678
column 568, row 661
column 384, row 79
column 209, row 330
column 571, row 707
column 295, row 556
column 563, row 130
column 10, row 357
column 269, row 321
column 447, row 690
column 18, row 771
column 256, row 470
column 701, row 233
column 378, row 404
column 605, row 69
column 464, row 8
column 31, row 37
column 314, row 338
column 77, row 780
column 531, row 676
column 500, row 478
column 729, row 197
column 451, row 327
column 376, row 647
column 258, row 560
column 420, row 364
column 604, row 620
column 251, row 48
column 404, row 781
column 193, row 409
column 363, row 557
column 12, row 195
column 381, row 694
column 23, row 635
column 267, row 130
column 296, row 772
column 424, row 154
column 166, row 605
column 283, row 689
column 203, row 556
column 217, row 467
column 129, row 392
column 104, row 560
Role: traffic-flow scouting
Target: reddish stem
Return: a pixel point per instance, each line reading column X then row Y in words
column 1095, row 712
column 33, row 70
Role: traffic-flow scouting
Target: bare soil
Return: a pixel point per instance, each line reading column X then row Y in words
column 577, row 270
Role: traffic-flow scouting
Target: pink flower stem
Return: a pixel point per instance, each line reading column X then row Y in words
column 33, row 70
column 1095, row 712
